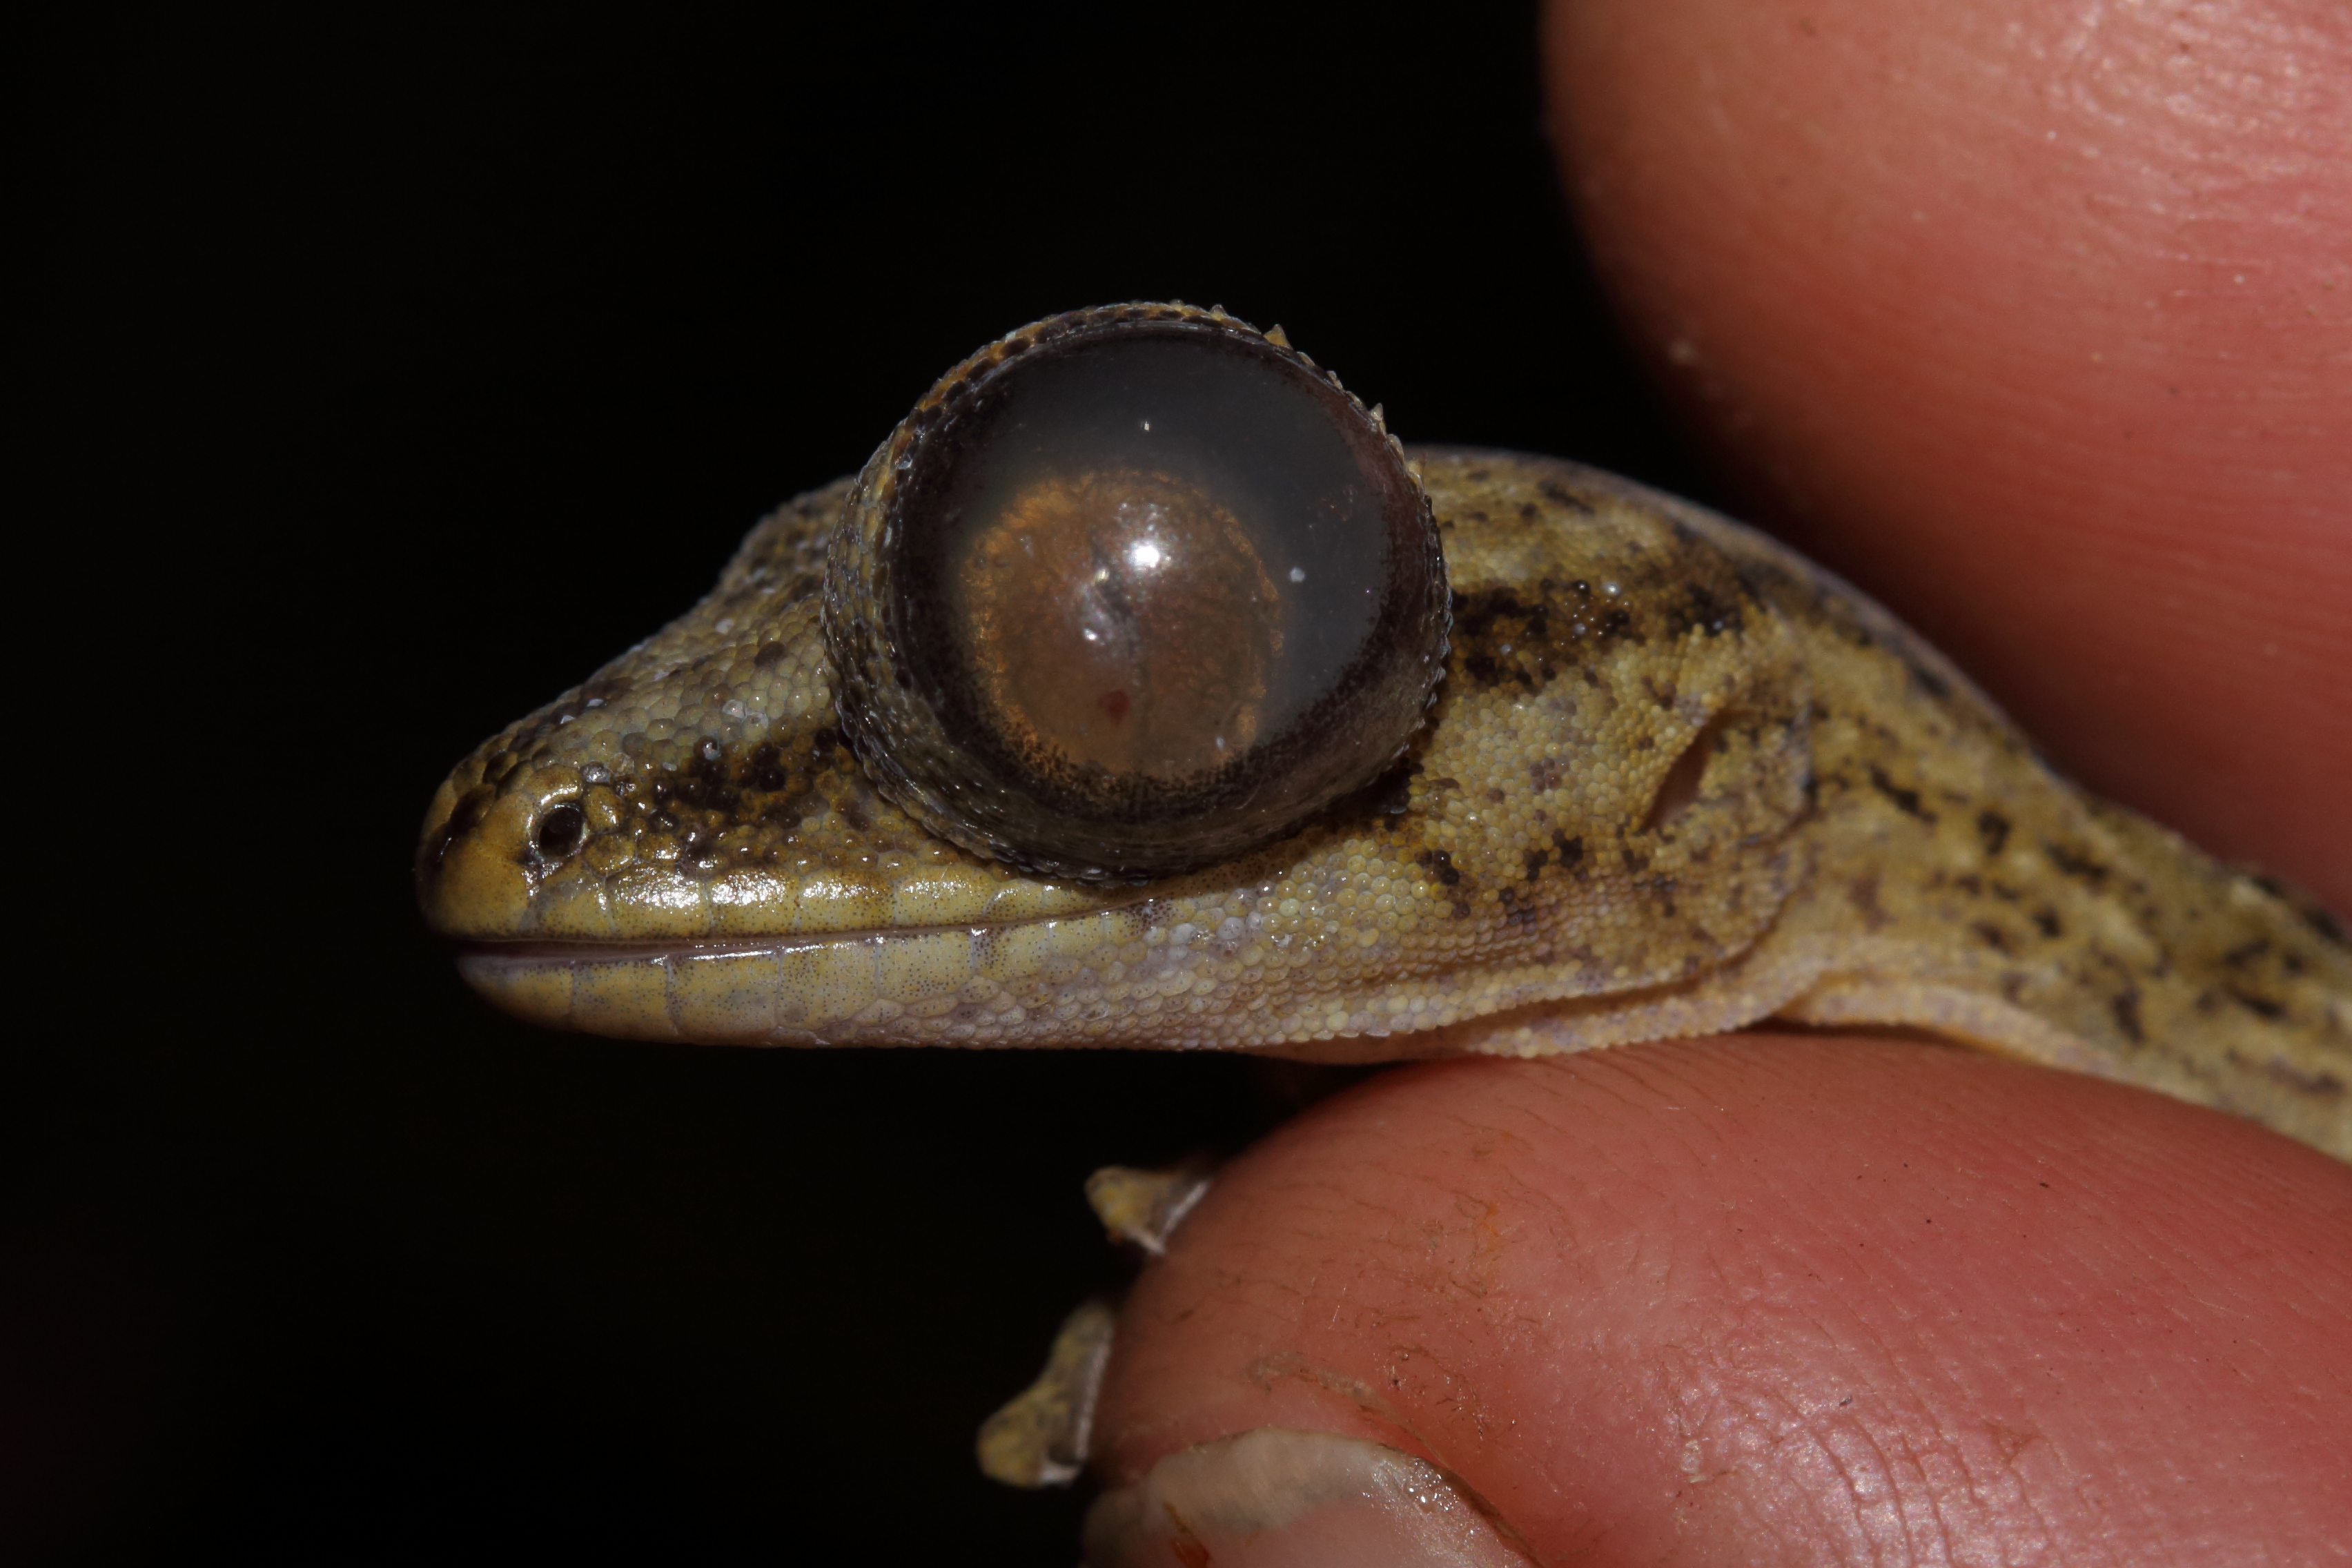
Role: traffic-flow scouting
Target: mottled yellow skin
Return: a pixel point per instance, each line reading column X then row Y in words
column 1677, row 780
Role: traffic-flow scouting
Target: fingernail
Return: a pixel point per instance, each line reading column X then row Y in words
column 1275, row 1498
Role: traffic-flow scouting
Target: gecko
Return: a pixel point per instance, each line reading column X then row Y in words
column 1674, row 779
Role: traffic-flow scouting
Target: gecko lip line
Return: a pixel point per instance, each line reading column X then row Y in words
column 523, row 953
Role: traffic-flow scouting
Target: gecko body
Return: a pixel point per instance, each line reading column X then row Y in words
column 1677, row 780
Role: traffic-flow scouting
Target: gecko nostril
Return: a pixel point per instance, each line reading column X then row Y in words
column 561, row 830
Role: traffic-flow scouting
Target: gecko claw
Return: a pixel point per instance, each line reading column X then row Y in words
column 1040, row 1437
column 1146, row 1206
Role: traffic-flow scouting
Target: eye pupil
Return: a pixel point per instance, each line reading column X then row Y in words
column 1113, row 593
column 1134, row 589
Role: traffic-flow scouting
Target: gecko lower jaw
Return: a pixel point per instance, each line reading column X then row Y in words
column 540, row 951
column 757, row 990
column 946, row 984
column 1105, row 979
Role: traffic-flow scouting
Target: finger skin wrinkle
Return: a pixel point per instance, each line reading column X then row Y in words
column 1871, row 1495
column 1649, row 1329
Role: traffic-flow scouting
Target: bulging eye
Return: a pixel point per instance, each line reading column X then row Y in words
column 1133, row 590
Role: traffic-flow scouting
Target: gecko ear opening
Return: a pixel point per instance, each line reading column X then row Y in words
column 1679, row 790
column 1133, row 590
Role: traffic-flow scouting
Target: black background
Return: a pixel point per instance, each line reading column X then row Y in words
column 408, row 370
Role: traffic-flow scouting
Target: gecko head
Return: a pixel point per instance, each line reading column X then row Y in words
column 1132, row 591
column 887, row 782
column 698, row 788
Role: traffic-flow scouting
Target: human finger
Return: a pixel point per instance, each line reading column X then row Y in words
column 2038, row 322
column 1790, row 1299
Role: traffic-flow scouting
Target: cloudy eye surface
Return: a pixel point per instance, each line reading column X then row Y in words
column 1134, row 590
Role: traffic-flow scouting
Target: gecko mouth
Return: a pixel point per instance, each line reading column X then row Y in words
column 497, row 969
column 539, row 953
column 501, row 956
column 879, row 985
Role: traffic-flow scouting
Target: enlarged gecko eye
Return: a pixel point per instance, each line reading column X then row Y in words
column 1133, row 590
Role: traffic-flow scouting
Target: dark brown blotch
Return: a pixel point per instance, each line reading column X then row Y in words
column 764, row 769
column 1992, row 831
column 1702, row 608
column 1905, row 801
column 2318, row 1085
column 2252, row 1002
column 1560, row 495
column 2125, row 1006
column 2323, row 921
column 2077, row 865
column 706, row 785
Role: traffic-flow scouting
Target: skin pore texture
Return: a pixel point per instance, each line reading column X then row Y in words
column 1623, row 1298
column 1693, row 1303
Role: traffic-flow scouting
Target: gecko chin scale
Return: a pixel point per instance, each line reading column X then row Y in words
column 1133, row 590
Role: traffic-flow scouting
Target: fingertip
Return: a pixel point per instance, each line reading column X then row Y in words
column 1664, row 1293
column 2036, row 323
